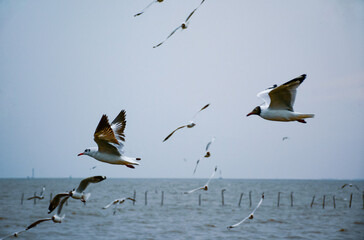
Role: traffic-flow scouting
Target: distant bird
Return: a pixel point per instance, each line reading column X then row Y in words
column 251, row 215
column 284, row 138
column 76, row 194
column 183, row 26
column 207, row 148
column 198, row 161
column 279, row 103
column 93, row 167
column 41, row 196
column 57, row 218
column 150, row 4
column 350, row 185
column 206, row 186
column 191, row 124
column 117, row 202
column 109, row 139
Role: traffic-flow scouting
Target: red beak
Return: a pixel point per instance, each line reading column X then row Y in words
column 80, row 154
column 251, row 113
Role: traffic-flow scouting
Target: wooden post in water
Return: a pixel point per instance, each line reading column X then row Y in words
column 22, row 199
column 323, row 202
column 313, row 199
column 250, row 199
column 351, row 198
column 333, row 199
column 145, row 197
column 199, row 200
column 134, row 197
column 241, row 196
column 50, row 200
column 35, row 201
column 279, row 197
column 291, row 199
column 162, row 198
column 222, row 197
column 363, row 199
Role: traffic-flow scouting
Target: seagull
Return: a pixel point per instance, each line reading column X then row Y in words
column 206, row 187
column 284, row 138
column 117, row 202
column 183, row 26
column 191, row 124
column 279, row 102
column 350, row 185
column 251, row 215
column 41, row 196
column 76, row 194
column 56, row 218
column 207, row 154
column 207, row 148
column 109, row 139
column 150, row 4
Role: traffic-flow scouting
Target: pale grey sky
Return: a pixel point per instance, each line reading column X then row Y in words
column 65, row 63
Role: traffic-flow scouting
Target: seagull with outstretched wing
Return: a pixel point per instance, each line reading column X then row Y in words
column 150, row 4
column 40, row 197
column 206, row 186
column 191, row 123
column 278, row 103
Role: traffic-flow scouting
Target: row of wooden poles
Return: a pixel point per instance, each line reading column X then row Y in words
column 222, row 199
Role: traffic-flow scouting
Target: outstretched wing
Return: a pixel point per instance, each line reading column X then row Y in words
column 209, row 144
column 167, row 37
column 204, row 107
column 213, row 174
column 61, row 205
column 85, row 182
column 150, row 4
column 173, row 132
column 37, row 222
column 283, row 97
column 55, row 201
column 237, row 224
column 113, row 202
column 189, row 16
column 260, row 203
column 105, row 138
column 193, row 190
column 198, row 161
column 118, row 126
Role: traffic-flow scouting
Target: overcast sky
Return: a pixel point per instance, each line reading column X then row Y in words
column 65, row 63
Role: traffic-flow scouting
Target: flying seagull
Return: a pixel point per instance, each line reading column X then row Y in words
column 150, row 4
column 76, row 194
column 117, row 202
column 57, row 218
column 251, row 215
column 191, row 124
column 279, row 102
column 350, row 185
column 284, row 138
column 207, row 154
column 183, row 26
column 41, row 196
column 109, row 139
column 206, row 186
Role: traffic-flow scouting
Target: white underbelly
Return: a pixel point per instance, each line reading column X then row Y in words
column 114, row 159
column 279, row 115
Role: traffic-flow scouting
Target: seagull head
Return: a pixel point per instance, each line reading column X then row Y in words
column 256, row 111
column 88, row 151
column 184, row 25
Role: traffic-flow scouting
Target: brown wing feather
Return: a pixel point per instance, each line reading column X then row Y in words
column 37, row 222
column 172, row 133
column 104, row 131
column 119, row 124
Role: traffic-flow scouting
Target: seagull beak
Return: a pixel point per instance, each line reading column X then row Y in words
column 251, row 113
column 80, row 154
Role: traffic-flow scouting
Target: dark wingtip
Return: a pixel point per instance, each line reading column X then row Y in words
column 138, row 159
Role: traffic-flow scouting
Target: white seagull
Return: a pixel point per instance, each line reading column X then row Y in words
column 251, row 215
column 117, row 202
column 191, row 123
column 206, row 186
column 183, row 26
column 279, row 103
column 41, row 196
column 150, row 4
column 109, row 139
column 76, row 194
column 56, row 218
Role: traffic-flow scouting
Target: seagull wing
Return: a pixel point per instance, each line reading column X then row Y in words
column 33, row 197
column 42, row 192
column 37, row 222
column 344, row 185
column 260, row 203
column 193, row 190
column 150, row 4
column 283, row 97
column 131, row 199
column 85, row 182
column 167, row 37
column 59, row 209
column 113, row 202
column 196, row 166
column 193, row 11
column 173, row 132
column 16, row 234
column 118, row 126
column 264, row 95
column 213, row 174
column 105, row 138
column 55, row 201
column 204, row 107
column 237, row 224
column 209, row 144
